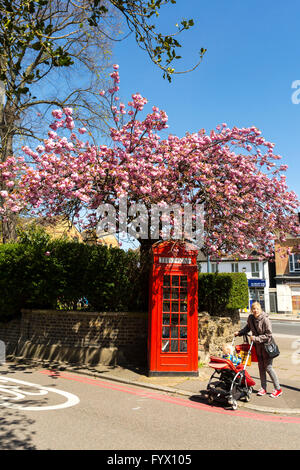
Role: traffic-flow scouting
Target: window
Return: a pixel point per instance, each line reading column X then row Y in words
column 175, row 314
column 254, row 269
column 294, row 262
column 214, row 267
column 234, row 267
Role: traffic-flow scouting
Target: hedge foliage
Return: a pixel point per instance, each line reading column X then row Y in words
column 38, row 272
column 218, row 292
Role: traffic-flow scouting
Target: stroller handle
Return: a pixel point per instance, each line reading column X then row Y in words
column 249, row 350
column 245, row 336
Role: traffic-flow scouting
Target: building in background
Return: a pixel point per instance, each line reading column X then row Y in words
column 258, row 272
column 59, row 227
column 287, row 260
column 104, row 238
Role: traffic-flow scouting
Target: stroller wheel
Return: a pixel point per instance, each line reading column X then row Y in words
column 210, row 399
column 234, row 405
column 248, row 394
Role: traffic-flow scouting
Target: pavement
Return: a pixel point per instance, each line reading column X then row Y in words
column 287, row 369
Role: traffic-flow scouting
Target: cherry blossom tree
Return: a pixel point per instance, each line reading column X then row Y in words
column 233, row 172
column 49, row 42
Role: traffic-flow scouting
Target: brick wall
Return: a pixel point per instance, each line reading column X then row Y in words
column 79, row 337
column 10, row 334
column 281, row 256
column 106, row 338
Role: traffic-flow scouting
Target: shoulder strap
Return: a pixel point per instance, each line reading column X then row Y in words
column 252, row 322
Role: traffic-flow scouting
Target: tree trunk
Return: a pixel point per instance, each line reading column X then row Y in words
column 8, row 228
column 7, row 116
column 146, row 260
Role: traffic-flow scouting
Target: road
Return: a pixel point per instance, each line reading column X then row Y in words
column 289, row 328
column 45, row 410
column 68, row 411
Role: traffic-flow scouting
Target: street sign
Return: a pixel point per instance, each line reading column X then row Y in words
column 257, row 283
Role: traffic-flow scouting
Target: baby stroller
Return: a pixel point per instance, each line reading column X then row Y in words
column 228, row 382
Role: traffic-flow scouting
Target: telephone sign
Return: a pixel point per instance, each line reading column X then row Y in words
column 175, row 260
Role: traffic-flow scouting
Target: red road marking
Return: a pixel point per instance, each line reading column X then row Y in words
column 169, row 399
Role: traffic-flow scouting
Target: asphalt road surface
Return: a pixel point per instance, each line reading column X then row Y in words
column 66, row 411
column 289, row 328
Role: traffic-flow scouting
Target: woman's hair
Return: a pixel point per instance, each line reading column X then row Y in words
column 257, row 304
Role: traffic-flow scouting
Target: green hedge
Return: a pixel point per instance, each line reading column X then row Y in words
column 40, row 273
column 219, row 292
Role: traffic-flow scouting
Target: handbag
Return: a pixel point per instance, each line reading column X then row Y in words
column 272, row 349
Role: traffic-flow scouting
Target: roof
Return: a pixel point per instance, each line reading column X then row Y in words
column 250, row 256
column 57, row 227
column 60, row 227
column 103, row 238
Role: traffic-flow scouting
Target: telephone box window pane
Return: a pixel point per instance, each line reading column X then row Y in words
column 175, row 307
column 166, row 319
column 183, row 294
column 183, row 306
column 183, row 319
column 175, row 281
column 183, row 346
column 183, row 332
column 174, row 332
column 175, row 294
column 165, row 332
column 174, row 319
column 167, row 281
column 166, row 306
column 165, row 345
column 183, row 281
column 166, row 293
column 174, row 346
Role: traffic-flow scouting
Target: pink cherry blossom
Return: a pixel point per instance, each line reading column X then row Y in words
column 232, row 171
column 57, row 113
column 68, row 111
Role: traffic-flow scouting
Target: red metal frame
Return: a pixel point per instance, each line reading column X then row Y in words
column 173, row 310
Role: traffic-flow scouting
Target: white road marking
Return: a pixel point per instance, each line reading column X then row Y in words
column 12, row 393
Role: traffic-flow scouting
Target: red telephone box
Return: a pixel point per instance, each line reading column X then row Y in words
column 173, row 310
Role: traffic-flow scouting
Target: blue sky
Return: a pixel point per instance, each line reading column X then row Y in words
column 252, row 59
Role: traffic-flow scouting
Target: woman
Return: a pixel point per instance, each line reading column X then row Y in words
column 259, row 324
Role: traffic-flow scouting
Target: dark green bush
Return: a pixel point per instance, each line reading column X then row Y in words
column 219, row 292
column 39, row 273
column 111, row 279
column 28, row 276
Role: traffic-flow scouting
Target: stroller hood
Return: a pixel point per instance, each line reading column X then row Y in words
column 220, row 363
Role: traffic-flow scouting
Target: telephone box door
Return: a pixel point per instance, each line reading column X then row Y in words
column 173, row 325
